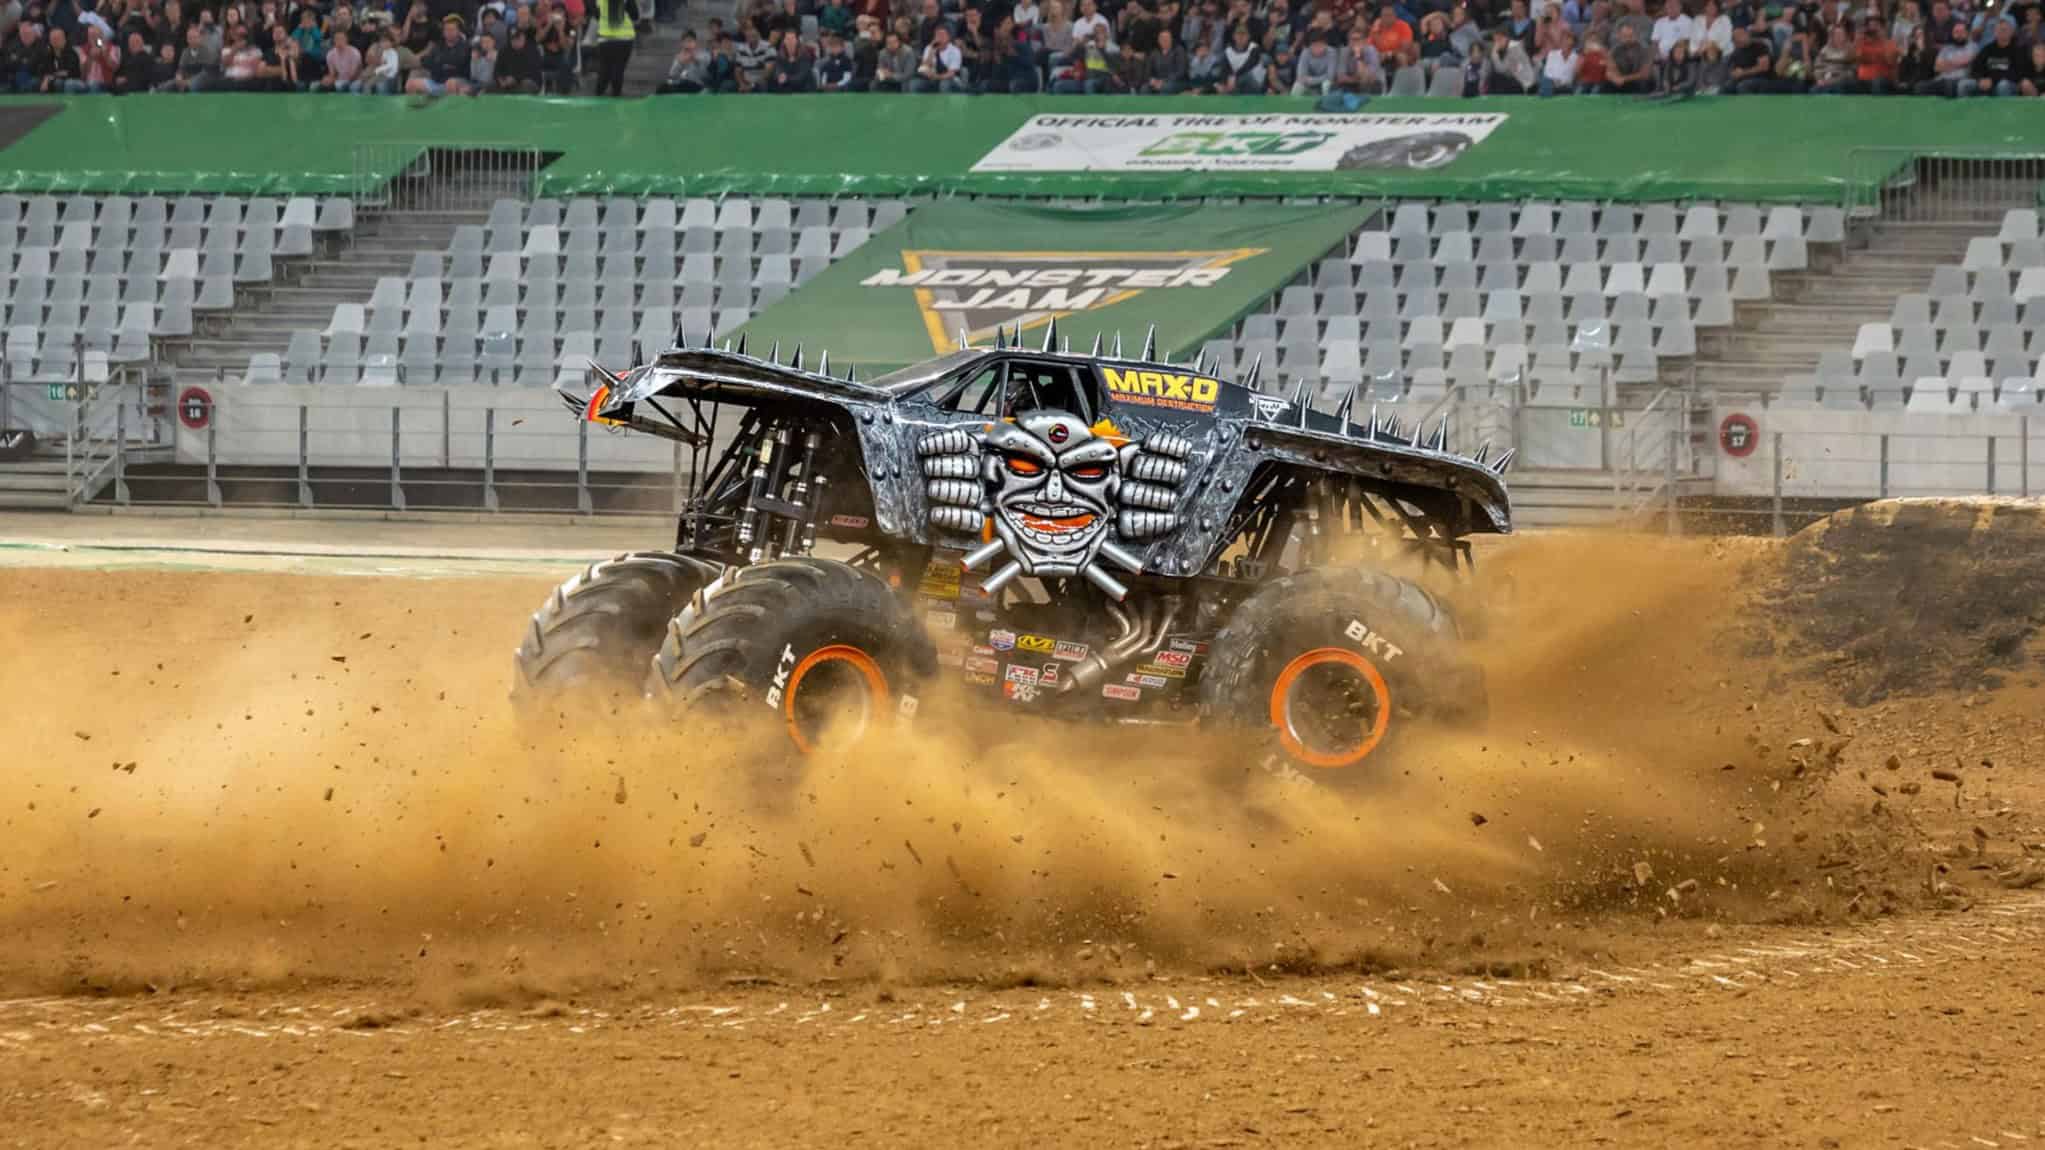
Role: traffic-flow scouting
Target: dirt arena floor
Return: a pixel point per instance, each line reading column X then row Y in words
column 280, row 866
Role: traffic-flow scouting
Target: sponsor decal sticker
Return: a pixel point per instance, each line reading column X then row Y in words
column 1050, row 678
column 1161, row 669
column 1371, row 641
column 1042, row 644
column 1149, row 680
column 1268, row 407
column 950, row 658
column 944, row 620
column 1070, row 652
column 981, row 665
column 781, row 671
column 1190, row 646
column 1173, row 659
column 1163, row 389
column 1118, row 691
column 856, row 522
column 1020, row 692
column 982, row 649
column 980, row 680
column 1001, row 640
column 1018, row 673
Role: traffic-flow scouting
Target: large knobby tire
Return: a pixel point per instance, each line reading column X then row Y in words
column 600, row 629
column 1332, row 667
column 819, row 646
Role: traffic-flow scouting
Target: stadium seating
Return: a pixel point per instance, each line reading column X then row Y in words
column 1972, row 341
column 1540, row 300
column 538, row 290
column 92, row 279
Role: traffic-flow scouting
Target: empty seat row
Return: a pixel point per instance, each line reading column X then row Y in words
column 1825, row 225
column 736, row 213
column 547, row 241
column 118, row 214
column 1786, row 254
column 1712, row 309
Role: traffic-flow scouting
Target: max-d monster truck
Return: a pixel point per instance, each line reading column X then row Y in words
column 1091, row 536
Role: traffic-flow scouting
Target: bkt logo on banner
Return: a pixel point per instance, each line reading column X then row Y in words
column 1237, row 143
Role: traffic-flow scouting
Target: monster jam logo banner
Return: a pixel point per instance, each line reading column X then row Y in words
column 977, row 292
column 1272, row 143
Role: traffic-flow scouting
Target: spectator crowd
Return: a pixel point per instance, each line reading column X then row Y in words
column 377, row 46
column 1342, row 50
column 1335, row 50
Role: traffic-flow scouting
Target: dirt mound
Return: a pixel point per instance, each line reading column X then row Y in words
column 260, row 779
column 1908, row 596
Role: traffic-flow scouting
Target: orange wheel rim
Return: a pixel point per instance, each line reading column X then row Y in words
column 1288, row 730
column 869, row 675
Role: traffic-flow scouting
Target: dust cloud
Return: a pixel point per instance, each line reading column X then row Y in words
column 252, row 779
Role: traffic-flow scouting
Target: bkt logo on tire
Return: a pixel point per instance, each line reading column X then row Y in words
column 1371, row 641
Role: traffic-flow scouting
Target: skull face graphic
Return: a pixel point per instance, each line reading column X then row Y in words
column 1052, row 484
column 1060, row 498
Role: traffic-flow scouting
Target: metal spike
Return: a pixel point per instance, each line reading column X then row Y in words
column 1097, row 345
column 1118, row 345
column 1000, row 338
column 1441, row 435
column 1419, row 426
column 1051, row 335
column 824, row 362
column 1375, row 426
column 1483, row 450
column 1065, row 346
column 798, row 357
column 774, row 356
column 1504, row 461
column 1256, row 366
column 1347, row 405
column 851, row 373
column 727, row 345
column 742, row 343
column 1392, row 426
column 1150, row 343
column 965, row 338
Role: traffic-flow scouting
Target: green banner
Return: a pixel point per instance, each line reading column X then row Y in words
column 955, row 270
column 1584, row 147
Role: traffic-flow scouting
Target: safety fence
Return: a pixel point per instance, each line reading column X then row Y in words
column 1906, row 185
column 441, row 176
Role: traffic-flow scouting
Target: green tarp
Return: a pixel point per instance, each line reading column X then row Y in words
column 1755, row 148
column 954, row 265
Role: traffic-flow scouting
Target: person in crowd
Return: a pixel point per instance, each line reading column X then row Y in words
column 1559, row 61
column 1711, row 25
column 1243, row 66
column 1410, row 78
column 1507, row 70
column 1632, row 66
column 617, row 28
column 241, row 62
column 754, row 55
column 312, row 44
column 27, row 58
column 1359, row 69
column 342, row 67
column 1168, row 66
column 1466, row 39
column 383, row 67
column 1833, row 72
column 558, row 55
column 1714, row 71
column 1875, row 60
column 1090, row 68
column 793, row 70
column 1999, row 69
column 1389, row 34
column 2033, row 83
column 445, row 63
column 1089, row 18
column 62, row 74
column 482, row 67
column 137, row 69
column 895, row 66
column 1593, row 66
column 1794, row 65
column 689, row 71
column 1204, row 69
column 518, row 66
column 943, row 68
column 1437, row 49
column 1315, row 73
column 1055, row 36
column 1671, row 29
column 1677, row 74
column 99, row 60
column 834, row 64
column 1750, row 69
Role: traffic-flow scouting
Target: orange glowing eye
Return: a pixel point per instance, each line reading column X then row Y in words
column 1023, row 465
column 1091, row 471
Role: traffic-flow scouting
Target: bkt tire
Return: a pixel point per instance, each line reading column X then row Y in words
column 826, row 650
column 600, row 629
column 1334, row 666
column 1423, row 152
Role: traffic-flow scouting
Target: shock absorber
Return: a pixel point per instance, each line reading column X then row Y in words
column 749, row 524
column 802, row 522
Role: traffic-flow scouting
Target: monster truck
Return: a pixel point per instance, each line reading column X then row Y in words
column 1085, row 536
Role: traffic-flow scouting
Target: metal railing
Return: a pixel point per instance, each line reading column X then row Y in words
column 421, row 176
column 1897, row 185
column 96, row 446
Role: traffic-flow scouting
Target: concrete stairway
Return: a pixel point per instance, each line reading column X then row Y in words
column 1823, row 310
